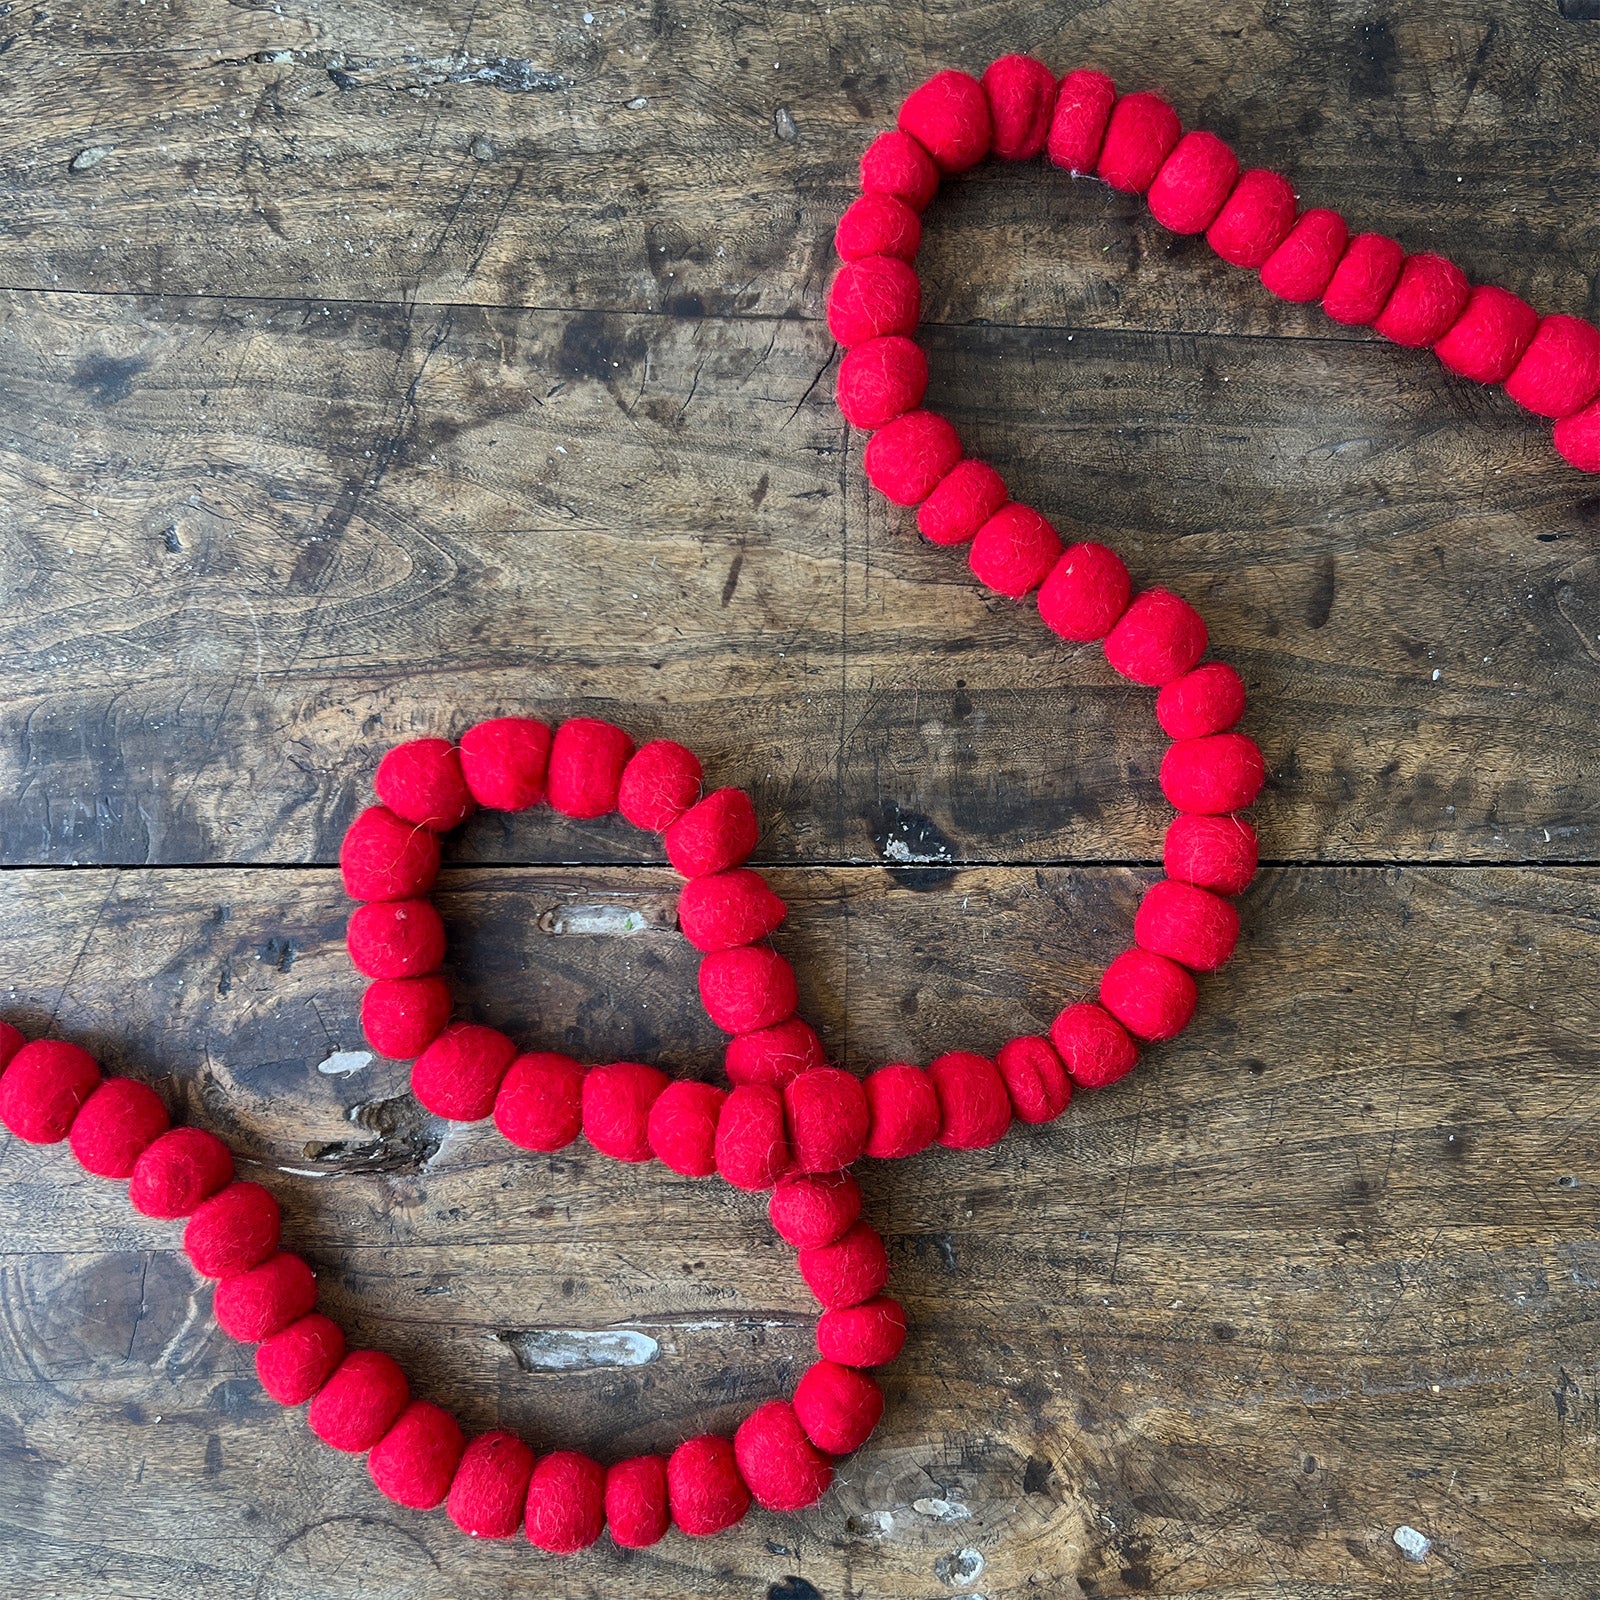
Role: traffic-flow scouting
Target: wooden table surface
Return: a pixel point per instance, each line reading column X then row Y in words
column 374, row 368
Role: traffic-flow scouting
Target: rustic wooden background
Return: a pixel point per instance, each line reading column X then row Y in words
column 372, row 368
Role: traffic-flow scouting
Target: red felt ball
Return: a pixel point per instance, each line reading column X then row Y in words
column 254, row 1305
column 395, row 938
column 636, row 1501
column 658, row 785
column 682, row 1127
column 965, row 498
column 974, row 1109
column 714, row 835
column 178, row 1171
column 401, row 1017
column 1190, row 926
column 872, row 298
column 704, row 1488
column 616, row 1108
column 853, row 1268
column 116, row 1125
column 837, row 1406
column 1559, row 373
column 774, row 1055
column 459, row 1074
column 43, row 1088
column 1142, row 132
column 827, row 1117
column 587, row 758
column 1087, row 591
column 1022, row 99
column 421, row 782
column 1430, row 294
column 1254, row 220
column 949, row 117
column 1159, row 638
column 814, row 1208
column 1208, row 700
column 1078, row 123
column 540, row 1103
column 1035, row 1080
column 360, row 1402
column 748, row 988
column 1362, row 282
column 1302, row 266
column 728, row 909
column 1487, row 340
column 906, row 459
column 1014, row 551
column 1187, row 193
column 1219, row 773
column 868, row 1335
column 236, row 1229
column 881, row 380
column 878, row 225
column 751, row 1148
column 1152, row 997
column 384, row 857
column 784, row 1470
column 1578, row 438
column 413, row 1463
column 294, row 1364
column 1094, row 1046
column 11, row 1041
column 895, row 164
column 506, row 761
column 490, row 1487
column 905, row 1111
column 1217, row 853
column 566, row 1506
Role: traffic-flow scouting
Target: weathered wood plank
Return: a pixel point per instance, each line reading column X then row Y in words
column 1321, row 1269
column 247, row 548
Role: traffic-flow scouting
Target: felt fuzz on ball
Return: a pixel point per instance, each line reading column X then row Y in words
column 906, row 459
column 748, row 988
column 1301, row 268
column 636, row 1501
column 116, row 1125
column 1559, row 372
column 905, row 1111
column 1078, row 123
column 1208, row 700
column 1362, row 282
column 616, row 1108
column 1219, row 773
column 1188, row 925
column 1488, row 338
column 1094, row 1047
column 773, row 1055
column 853, row 1268
column 1035, row 1079
column 878, row 225
column 384, row 857
column 254, row 1305
column 1217, row 853
column 505, row 762
column 395, row 939
column 682, row 1127
column 1022, row 98
column 360, row 1401
column 728, row 909
column 974, row 1108
column 872, row 298
column 413, row 1463
column 837, row 1406
column 566, row 1507
column 1158, row 638
column 540, row 1102
column 1014, row 551
column 43, row 1088
column 490, row 1487
column 1187, row 193
column 1254, row 220
column 658, row 785
column 781, row 1466
column 236, row 1229
column 1087, row 591
column 1141, row 133
column 752, row 1149
column 587, row 758
column 964, row 500
column 827, row 1117
column 1429, row 295
column 459, row 1074
column 401, row 1017
column 949, row 117
column 1151, row 996
column 871, row 1334
column 714, row 835
column 895, row 164
column 177, row 1171
column 421, row 781
column 881, row 380
column 704, row 1489
column 814, row 1208
column 294, row 1364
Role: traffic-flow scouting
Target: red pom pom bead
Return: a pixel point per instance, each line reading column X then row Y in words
column 905, row 1111
column 1217, row 853
column 587, row 758
column 1363, row 280
column 748, row 988
column 1219, row 773
column 395, row 938
column 837, row 1406
column 966, row 497
column 1152, row 997
column 236, row 1229
column 116, row 1125
column 906, row 459
column 1487, row 340
column 421, row 782
column 895, row 164
column 177, row 1172
column 1022, row 99
column 871, row 1334
column 540, row 1103
column 1142, row 132
column 1430, row 294
column 853, row 1268
column 1301, row 268
column 704, row 1488
column 566, row 1507
column 505, row 762
column 784, row 1470
column 881, row 380
column 616, row 1108
column 1208, row 700
column 359, row 1404
column 878, row 225
column 1087, row 591
column 490, row 1487
column 1094, row 1047
column 827, row 1117
column 872, row 298
column 1578, row 438
column 384, row 857
column 1559, row 373
column 254, row 1305
column 752, row 1149
column 1078, row 124
column 814, row 1208
column 1159, row 638
column 1254, row 220
column 974, row 1109
column 459, row 1074
column 1187, row 193
column 714, row 835
column 774, row 1055
column 1187, row 925
column 1014, row 551
column 728, row 909
column 658, row 785
column 294, row 1364
column 949, row 117
column 636, row 1501
column 401, row 1017
column 43, row 1087
column 1034, row 1078
column 682, row 1127
column 11, row 1041
column 413, row 1463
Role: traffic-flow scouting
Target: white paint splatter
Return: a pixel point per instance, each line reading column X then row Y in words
column 941, row 1510
column 1414, row 1546
column 343, row 1062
